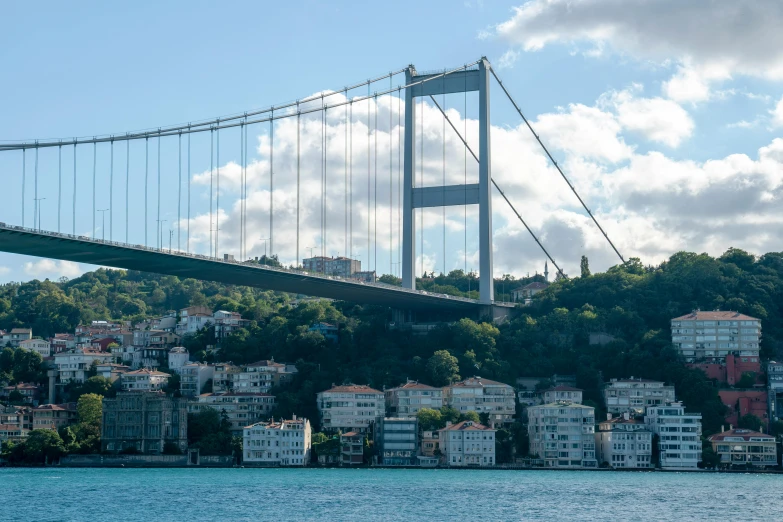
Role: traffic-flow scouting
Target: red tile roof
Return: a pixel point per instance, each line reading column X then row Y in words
column 698, row 315
column 477, row 381
column 413, row 386
column 266, row 362
column 352, row 388
column 466, row 426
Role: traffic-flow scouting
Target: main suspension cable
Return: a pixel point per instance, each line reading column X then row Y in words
column 562, row 174
column 468, row 149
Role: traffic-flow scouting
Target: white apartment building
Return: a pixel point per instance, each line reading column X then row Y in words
column 408, row 399
column 562, row 434
column 74, row 365
column 624, row 442
column 350, row 408
column 282, row 443
column 242, row 409
column 468, row 443
column 193, row 378
column 144, row 380
column 227, row 323
column 562, row 394
column 257, row 377
column 178, row 357
column 711, row 336
column 679, row 435
column 37, row 345
column 635, row 395
column 482, row 396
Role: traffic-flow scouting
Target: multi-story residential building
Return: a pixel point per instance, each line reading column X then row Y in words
column 352, row 449
column 281, row 443
column 679, row 435
column 624, row 442
column 16, row 336
column 53, row 416
column 329, row 331
column 335, row 266
column 740, row 447
column 399, row 441
column 145, row 421
column 112, row 371
column 29, row 393
column 15, row 422
column 241, row 409
column 178, row 357
column 408, row 399
column 186, row 325
column 711, row 336
column 74, row 365
column 160, row 339
column 144, row 380
column 467, row 443
column 62, row 342
column 775, row 386
column 125, row 355
column 562, row 394
column 635, row 395
column 482, row 396
column 350, row 407
column 257, row 377
column 525, row 293
column 194, row 378
column 562, row 434
column 37, row 345
column 227, row 323
column 430, row 443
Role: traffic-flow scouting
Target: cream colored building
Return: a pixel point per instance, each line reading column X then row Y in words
column 740, row 447
column 624, row 442
column 562, row 434
column 350, row 408
column 408, row 399
column 467, row 444
column 37, row 345
column 711, row 336
column 74, row 365
column 482, row 396
column 242, row 409
column 281, row 443
column 635, row 395
column 144, row 380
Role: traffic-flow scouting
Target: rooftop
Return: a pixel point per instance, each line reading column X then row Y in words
column 477, row 381
column 467, row 426
column 352, row 388
column 413, row 385
column 147, row 371
column 716, row 315
column 563, row 387
column 746, row 435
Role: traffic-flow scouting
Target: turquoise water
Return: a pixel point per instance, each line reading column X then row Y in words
column 157, row 495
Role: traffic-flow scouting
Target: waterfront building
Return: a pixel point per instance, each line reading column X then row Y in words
column 740, row 447
column 144, row 380
column 562, row 434
column 408, row 399
column 281, row 443
column 482, row 396
column 144, row 421
column 194, row 378
column 350, row 407
column 54, row 416
column 562, row 394
column 399, row 441
column 679, row 435
column 241, row 409
column 635, row 395
column 711, row 336
column 352, row 448
column 430, row 443
column 775, row 386
column 624, row 442
column 467, row 444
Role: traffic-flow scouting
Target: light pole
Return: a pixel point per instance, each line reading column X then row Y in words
column 264, row 239
column 38, row 210
column 103, row 222
column 171, row 233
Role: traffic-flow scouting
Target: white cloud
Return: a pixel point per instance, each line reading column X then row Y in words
column 777, row 114
column 52, row 269
column 694, row 33
column 4, row 270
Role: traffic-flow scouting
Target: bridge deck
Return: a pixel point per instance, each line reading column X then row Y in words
column 81, row 249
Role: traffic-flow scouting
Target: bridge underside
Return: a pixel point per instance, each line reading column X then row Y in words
column 67, row 248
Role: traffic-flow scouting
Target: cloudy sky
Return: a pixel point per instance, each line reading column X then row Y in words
column 667, row 116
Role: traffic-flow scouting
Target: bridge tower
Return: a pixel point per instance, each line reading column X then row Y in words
column 479, row 194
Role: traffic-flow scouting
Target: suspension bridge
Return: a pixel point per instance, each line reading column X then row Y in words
column 375, row 187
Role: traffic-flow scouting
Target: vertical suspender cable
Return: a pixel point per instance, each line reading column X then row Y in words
column 188, row 243
column 146, row 188
column 324, row 246
column 369, row 178
column 375, row 188
column 272, row 183
column 127, row 187
column 36, row 225
column 399, row 180
column 24, row 180
column 321, row 207
column 59, row 184
column 111, row 191
column 465, row 170
column 211, row 187
column 298, row 159
column 160, row 223
column 345, row 183
column 242, row 191
column 179, row 189
column 350, row 184
column 444, row 176
column 73, row 216
column 217, row 191
column 391, row 179
column 421, row 184
column 94, row 176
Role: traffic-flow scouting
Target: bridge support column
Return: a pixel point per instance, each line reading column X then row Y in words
column 487, row 286
column 408, row 233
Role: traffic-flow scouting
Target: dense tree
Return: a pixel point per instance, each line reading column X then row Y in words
column 442, row 368
column 584, row 267
column 89, row 408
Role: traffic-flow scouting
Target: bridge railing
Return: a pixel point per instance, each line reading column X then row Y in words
column 249, row 264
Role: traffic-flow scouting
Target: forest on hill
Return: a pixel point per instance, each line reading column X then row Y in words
column 632, row 302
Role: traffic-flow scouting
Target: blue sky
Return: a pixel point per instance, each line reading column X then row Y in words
column 656, row 110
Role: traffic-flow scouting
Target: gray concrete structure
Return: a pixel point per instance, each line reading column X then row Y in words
column 144, row 421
